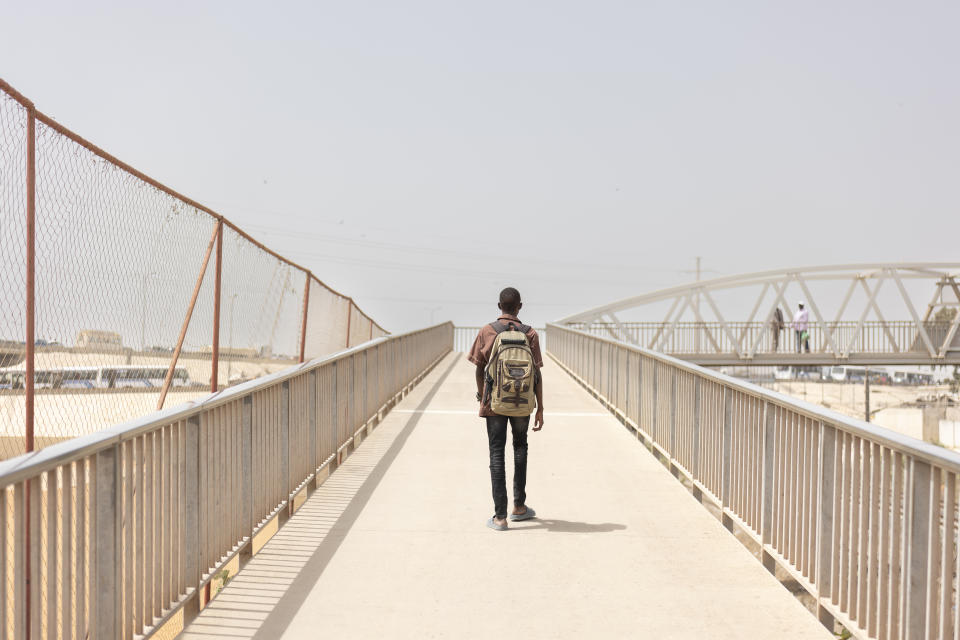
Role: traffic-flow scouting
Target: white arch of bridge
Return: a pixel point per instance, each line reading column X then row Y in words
column 721, row 340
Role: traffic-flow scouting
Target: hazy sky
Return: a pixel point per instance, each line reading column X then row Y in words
column 420, row 156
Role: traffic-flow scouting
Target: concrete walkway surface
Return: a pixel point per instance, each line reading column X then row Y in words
column 393, row 544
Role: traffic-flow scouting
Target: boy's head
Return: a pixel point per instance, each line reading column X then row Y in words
column 510, row 301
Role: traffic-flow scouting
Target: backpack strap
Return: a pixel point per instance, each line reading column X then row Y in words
column 499, row 327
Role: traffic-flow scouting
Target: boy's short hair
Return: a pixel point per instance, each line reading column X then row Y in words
column 510, row 300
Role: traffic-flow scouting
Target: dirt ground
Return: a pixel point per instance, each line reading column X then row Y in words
column 848, row 398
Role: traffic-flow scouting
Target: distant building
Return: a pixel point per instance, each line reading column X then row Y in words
column 99, row 340
column 231, row 352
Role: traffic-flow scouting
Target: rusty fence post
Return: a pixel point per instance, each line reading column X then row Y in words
column 349, row 316
column 186, row 320
column 303, row 323
column 29, row 338
column 215, row 347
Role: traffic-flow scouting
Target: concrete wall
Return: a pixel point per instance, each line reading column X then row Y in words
column 908, row 421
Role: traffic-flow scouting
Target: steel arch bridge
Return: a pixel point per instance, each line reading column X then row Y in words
column 859, row 314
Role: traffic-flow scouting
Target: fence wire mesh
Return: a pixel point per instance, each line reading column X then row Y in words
column 116, row 264
column 126, row 277
column 13, row 260
column 261, row 312
column 326, row 321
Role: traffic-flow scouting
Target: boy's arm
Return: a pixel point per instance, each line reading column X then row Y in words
column 480, row 381
column 538, row 390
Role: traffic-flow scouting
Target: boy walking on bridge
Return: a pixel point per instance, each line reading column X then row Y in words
column 508, row 359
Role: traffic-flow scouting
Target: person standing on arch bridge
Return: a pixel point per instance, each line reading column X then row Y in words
column 508, row 360
column 801, row 325
column 776, row 326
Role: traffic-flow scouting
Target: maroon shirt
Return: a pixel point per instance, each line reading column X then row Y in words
column 483, row 345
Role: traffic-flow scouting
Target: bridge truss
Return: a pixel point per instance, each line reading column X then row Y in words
column 850, row 316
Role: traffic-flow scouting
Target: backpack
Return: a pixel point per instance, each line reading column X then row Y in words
column 511, row 375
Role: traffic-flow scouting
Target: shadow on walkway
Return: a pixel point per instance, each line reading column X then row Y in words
column 566, row 526
column 261, row 600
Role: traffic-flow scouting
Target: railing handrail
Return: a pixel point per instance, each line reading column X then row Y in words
column 29, row 464
column 755, row 323
column 905, row 444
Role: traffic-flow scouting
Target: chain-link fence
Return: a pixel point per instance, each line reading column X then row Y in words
column 140, row 297
column 13, row 260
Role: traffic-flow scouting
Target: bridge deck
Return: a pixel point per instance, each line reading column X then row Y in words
column 393, row 544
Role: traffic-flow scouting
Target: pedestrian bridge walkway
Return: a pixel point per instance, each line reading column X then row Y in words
column 393, row 543
column 351, row 494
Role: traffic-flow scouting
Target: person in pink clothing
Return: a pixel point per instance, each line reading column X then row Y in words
column 801, row 323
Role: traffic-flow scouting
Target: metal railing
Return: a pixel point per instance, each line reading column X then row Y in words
column 863, row 518
column 742, row 341
column 463, row 338
column 130, row 523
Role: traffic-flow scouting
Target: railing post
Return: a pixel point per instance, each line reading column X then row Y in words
column 627, row 404
column 246, row 464
column 824, row 532
column 33, row 580
column 105, row 536
column 766, row 514
column 613, row 379
column 725, row 460
column 613, row 355
column 312, row 422
column 915, row 600
column 594, row 365
column 191, row 513
column 639, row 392
column 695, row 464
column 333, row 402
column 285, row 441
column 673, row 415
column 652, row 426
column 352, row 402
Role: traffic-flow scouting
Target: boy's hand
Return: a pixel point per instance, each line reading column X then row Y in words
column 538, row 420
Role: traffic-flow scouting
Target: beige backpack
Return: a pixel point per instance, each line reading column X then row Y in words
column 511, row 372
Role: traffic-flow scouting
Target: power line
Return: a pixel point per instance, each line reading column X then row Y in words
column 442, row 270
column 341, row 240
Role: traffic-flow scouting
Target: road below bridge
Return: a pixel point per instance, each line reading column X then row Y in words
column 393, row 544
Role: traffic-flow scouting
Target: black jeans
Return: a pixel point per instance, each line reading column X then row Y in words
column 497, row 435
